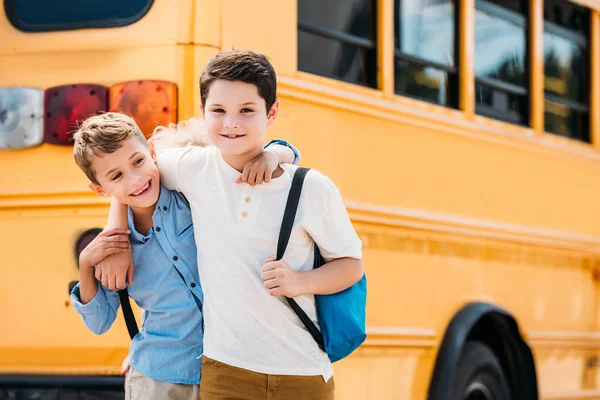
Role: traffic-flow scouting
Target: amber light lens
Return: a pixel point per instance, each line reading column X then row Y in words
column 149, row 102
column 68, row 105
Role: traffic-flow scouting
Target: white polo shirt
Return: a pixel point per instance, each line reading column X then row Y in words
column 236, row 228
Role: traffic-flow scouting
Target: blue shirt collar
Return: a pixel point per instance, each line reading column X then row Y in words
column 162, row 203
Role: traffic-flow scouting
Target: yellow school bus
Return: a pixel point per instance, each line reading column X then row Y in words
column 464, row 136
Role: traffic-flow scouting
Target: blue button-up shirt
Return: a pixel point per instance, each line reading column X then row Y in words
column 166, row 274
column 167, row 289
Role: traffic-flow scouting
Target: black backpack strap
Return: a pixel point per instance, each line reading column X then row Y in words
column 284, row 237
column 128, row 313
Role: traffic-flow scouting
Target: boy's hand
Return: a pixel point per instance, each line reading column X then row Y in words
column 259, row 169
column 125, row 366
column 280, row 279
column 116, row 271
column 108, row 242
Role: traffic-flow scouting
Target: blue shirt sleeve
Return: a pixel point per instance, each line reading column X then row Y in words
column 286, row 144
column 100, row 313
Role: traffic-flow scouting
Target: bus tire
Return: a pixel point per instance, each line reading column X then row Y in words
column 479, row 375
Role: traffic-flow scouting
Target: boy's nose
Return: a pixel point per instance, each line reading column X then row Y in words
column 231, row 122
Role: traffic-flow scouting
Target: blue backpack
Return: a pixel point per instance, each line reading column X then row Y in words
column 341, row 315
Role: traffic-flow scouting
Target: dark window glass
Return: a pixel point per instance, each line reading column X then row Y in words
column 425, row 83
column 337, row 39
column 45, row 15
column 501, row 89
column 425, row 50
column 566, row 71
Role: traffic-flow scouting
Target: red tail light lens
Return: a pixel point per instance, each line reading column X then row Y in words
column 21, row 117
column 69, row 104
column 149, row 102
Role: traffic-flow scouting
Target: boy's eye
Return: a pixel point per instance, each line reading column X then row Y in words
column 138, row 161
column 116, row 176
column 247, row 110
column 218, row 110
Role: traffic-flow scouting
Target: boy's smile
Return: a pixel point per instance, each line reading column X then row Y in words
column 129, row 174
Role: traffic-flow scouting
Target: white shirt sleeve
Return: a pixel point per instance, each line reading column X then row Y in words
column 171, row 162
column 327, row 220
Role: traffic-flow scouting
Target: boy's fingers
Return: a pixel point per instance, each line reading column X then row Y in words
column 252, row 178
column 115, row 231
column 130, row 275
column 239, row 180
column 271, row 283
column 120, row 282
column 269, row 267
column 265, row 276
column 98, row 274
column 268, row 176
column 270, row 258
column 245, row 173
column 260, row 175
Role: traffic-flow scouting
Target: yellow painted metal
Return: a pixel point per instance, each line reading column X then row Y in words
column 451, row 207
column 466, row 54
column 595, row 78
column 385, row 46
column 536, row 66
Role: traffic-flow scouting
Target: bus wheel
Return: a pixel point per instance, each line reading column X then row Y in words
column 479, row 375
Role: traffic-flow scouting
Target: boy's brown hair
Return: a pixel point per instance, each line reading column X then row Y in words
column 241, row 65
column 102, row 134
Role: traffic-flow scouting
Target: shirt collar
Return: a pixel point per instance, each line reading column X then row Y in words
column 163, row 202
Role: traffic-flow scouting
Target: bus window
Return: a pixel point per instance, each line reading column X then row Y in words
column 501, row 87
column 566, row 87
column 337, row 40
column 424, row 50
column 43, row 15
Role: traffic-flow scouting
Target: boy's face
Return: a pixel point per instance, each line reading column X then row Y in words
column 129, row 174
column 236, row 117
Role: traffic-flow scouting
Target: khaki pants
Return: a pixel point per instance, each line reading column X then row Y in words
column 140, row 387
column 225, row 382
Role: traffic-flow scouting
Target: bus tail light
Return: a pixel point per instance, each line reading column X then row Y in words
column 67, row 105
column 21, row 117
column 149, row 102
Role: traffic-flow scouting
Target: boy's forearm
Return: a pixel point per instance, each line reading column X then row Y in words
column 285, row 154
column 117, row 215
column 88, row 286
column 333, row 277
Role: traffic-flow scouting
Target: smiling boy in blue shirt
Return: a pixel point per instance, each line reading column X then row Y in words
column 115, row 156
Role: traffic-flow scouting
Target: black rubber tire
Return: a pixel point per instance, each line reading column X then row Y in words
column 479, row 375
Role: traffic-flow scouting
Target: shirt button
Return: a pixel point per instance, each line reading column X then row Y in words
column 158, row 229
column 175, row 258
column 248, row 199
column 244, row 214
column 193, row 284
column 164, row 208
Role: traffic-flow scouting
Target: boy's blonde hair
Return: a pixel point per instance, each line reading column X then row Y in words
column 102, row 134
column 191, row 132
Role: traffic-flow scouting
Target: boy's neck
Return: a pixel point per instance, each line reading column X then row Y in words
column 239, row 161
column 142, row 218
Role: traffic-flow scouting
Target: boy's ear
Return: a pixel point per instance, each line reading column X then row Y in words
column 201, row 108
column 98, row 189
column 273, row 112
column 152, row 150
